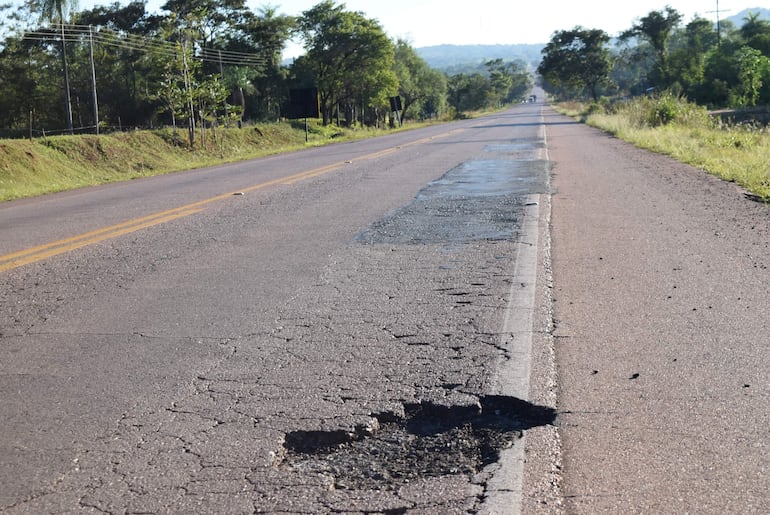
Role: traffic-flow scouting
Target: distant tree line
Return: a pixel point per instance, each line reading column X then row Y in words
column 215, row 62
column 720, row 66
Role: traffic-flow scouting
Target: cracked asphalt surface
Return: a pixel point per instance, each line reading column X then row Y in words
column 317, row 346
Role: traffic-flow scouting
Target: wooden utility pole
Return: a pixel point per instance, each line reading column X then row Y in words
column 67, row 100
column 93, row 80
column 188, row 95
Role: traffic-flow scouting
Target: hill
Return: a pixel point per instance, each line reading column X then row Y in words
column 738, row 19
column 460, row 58
column 455, row 58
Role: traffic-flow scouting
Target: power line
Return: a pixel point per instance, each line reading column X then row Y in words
column 719, row 28
column 146, row 45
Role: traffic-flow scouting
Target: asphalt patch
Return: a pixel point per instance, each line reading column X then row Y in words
column 428, row 440
column 480, row 199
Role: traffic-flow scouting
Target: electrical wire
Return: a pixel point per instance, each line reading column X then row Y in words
column 146, row 45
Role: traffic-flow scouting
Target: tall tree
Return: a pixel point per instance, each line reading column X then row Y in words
column 687, row 62
column 125, row 70
column 656, row 28
column 468, row 92
column 577, row 60
column 351, row 57
column 419, row 86
column 753, row 71
column 756, row 33
column 264, row 33
column 55, row 11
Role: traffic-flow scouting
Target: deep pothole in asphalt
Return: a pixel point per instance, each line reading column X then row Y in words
column 428, row 440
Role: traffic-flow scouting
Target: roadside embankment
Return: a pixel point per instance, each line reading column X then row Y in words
column 46, row 165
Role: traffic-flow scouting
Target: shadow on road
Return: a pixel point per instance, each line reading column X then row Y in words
column 427, row 440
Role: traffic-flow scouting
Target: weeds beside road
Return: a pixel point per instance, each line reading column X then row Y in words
column 57, row 163
column 686, row 132
column 667, row 125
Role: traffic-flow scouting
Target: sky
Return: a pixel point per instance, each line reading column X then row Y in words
column 436, row 22
column 431, row 22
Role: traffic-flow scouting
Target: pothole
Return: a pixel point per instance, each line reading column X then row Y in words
column 429, row 440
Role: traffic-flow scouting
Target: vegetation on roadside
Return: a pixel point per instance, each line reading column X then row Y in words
column 219, row 62
column 673, row 126
column 715, row 66
column 654, row 87
column 57, row 163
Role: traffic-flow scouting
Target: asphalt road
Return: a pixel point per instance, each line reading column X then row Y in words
column 661, row 301
column 387, row 326
column 344, row 328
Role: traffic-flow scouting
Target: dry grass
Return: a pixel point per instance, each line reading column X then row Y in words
column 739, row 154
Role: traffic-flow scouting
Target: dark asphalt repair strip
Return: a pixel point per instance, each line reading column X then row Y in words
column 480, row 199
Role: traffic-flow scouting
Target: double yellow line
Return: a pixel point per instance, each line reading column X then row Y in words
column 34, row 254
column 31, row 255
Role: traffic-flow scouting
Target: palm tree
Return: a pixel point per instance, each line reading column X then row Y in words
column 53, row 11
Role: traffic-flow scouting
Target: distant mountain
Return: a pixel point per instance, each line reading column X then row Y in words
column 738, row 19
column 456, row 58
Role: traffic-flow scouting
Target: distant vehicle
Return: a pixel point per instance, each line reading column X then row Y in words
column 532, row 99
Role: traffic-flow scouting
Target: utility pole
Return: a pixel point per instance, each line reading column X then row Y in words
column 719, row 28
column 188, row 95
column 93, row 80
column 67, row 100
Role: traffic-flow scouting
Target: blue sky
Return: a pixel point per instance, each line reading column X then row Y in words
column 432, row 22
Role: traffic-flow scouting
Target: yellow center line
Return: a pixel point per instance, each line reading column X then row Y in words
column 25, row 257
column 34, row 254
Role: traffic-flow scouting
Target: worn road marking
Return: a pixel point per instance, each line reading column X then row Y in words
column 34, row 254
column 504, row 490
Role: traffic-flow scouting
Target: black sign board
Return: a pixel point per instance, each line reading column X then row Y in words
column 303, row 103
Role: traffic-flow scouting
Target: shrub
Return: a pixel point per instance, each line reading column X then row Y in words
column 651, row 112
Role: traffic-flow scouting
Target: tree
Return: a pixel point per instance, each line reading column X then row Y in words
column 265, row 34
column 351, row 58
column 753, row 69
column 508, row 81
column 631, row 65
column 687, row 62
column 26, row 85
column 125, row 70
column 500, row 82
column 54, row 11
column 577, row 60
column 468, row 92
column 756, row 33
column 720, row 75
column 419, row 86
column 656, row 28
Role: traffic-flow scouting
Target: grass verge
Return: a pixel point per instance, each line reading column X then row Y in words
column 58, row 163
column 684, row 131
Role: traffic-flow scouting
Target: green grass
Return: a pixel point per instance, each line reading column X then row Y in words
column 670, row 126
column 51, row 164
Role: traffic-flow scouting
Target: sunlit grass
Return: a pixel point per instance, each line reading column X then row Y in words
column 51, row 164
column 738, row 154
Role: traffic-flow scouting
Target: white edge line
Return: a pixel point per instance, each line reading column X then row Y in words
column 504, row 489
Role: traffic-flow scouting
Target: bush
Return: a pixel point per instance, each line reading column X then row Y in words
column 665, row 109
